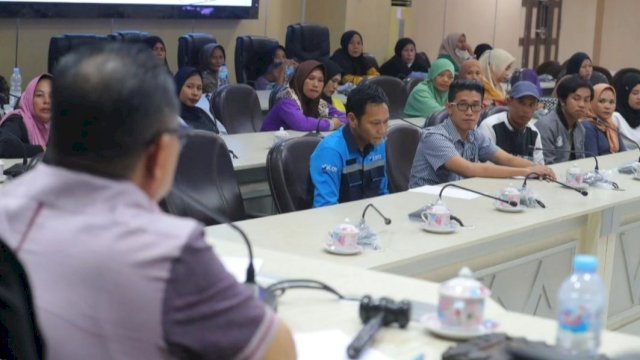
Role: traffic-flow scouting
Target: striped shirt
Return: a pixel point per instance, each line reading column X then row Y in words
column 441, row 143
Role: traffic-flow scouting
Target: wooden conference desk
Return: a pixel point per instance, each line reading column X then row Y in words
column 310, row 311
column 522, row 257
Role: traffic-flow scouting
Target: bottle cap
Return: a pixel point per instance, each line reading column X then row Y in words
column 585, row 264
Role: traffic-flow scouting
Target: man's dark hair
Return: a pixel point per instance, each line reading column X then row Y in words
column 465, row 85
column 109, row 103
column 570, row 85
column 362, row 95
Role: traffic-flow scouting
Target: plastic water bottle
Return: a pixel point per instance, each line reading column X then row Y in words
column 288, row 74
column 223, row 76
column 16, row 87
column 581, row 301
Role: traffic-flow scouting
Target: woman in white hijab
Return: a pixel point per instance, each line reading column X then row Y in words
column 456, row 49
column 497, row 65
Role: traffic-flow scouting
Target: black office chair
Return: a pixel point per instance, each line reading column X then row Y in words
column 410, row 84
column 617, row 78
column 372, row 61
column 253, row 55
column 20, row 337
column 205, row 182
column 288, row 173
column 189, row 46
column 550, row 67
column 237, row 107
column 307, row 42
column 492, row 110
column 401, row 145
column 437, row 118
column 61, row 45
column 131, row 36
column 395, row 90
column 604, row 71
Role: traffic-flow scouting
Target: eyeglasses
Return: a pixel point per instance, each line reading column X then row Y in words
column 475, row 107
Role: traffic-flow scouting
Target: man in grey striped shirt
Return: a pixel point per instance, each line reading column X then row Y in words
column 455, row 150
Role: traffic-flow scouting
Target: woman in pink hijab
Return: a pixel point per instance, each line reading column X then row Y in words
column 25, row 131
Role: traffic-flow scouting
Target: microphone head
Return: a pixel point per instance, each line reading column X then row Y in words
column 513, row 203
column 387, row 221
column 584, row 192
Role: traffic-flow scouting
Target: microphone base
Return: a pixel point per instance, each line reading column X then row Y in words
column 367, row 237
column 268, row 298
column 15, row 170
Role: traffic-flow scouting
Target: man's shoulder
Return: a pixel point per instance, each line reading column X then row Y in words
column 493, row 119
column 546, row 121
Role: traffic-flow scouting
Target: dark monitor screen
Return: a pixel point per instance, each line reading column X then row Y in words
column 156, row 9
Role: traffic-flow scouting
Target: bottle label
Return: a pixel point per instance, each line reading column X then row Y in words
column 577, row 319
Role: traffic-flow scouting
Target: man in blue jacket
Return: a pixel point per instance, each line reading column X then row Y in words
column 350, row 163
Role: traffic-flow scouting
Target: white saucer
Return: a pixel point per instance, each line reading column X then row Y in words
column 433, row 324
column 3, row 178
column 453, row 226
column 341, row 251
column 509, row 208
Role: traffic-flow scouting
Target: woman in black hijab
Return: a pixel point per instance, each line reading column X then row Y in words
column 156, row 45
column 189, row 88
column 628, row 99
column 405, row 61
column 350, row 57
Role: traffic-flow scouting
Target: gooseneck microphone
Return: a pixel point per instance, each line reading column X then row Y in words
column 581, row 191
column 512, row 203
column 387, row 221
column 524, row 186
column 587, row 153
column 17, row 169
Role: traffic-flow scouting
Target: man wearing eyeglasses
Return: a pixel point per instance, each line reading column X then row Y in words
column 455, row 149
column 113, row 276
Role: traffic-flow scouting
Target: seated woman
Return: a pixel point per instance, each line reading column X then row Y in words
column 601, row 130
column 334, row 75
column 276, row 74
column 350, row 57
column 456, row 49
column 156, row 45
column 24, row 132
column 471, row 70
column 628, row 106
column 405, row 61
column 189, row 87
column 430, row 96
column 302, row 108
column 580, row 64
column 496, row 68
column 212, row 57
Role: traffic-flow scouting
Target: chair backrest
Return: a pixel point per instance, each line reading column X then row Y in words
column 550, row 67
column 189, row 46
column 134, row 36
column 395, row 90
column 401, row 145
column 307, row 41
column 61, row 45
column 288, row 173
column 237, row 107
column 411, row 83
column 424, row 57
column 492, row 111
column 372, row 61
column 617, row 78
column 437, row 118
column 253, row 55
column 604, row 71
column 20, row 337
column 205, row 182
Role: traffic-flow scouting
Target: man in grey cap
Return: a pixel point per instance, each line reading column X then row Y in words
column 513, row 130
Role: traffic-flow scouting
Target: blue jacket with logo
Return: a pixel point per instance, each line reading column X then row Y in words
column 341, row 172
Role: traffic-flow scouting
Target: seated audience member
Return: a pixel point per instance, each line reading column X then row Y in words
column 276, row 73
column 156, row 45
column 480, row 49
column 471, row 70
column 580, row 64
column 405, row 61
column 430, row 96
column 334, row 75
column 301, row 106
column 628, row 106
column 531, row 76
column 189, row 87
column 561, row 133
column 127, row 280
column 350, row 163
column 456, row 49
column 512, row 130
column 350, row 57
column 496, row 68
column 212, row 57
column 455, row 149
column 601, row 134
column 25, row 131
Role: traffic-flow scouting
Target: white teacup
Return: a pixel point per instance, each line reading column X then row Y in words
column 510, row 194
column 344, row 237
column 574, row 176
column 437, row 216
column 461, row 302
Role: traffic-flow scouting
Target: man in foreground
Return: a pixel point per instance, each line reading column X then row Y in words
column 113, row 276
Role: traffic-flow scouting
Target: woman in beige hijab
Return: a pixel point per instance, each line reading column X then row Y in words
column 455, row 48
column 496, row 65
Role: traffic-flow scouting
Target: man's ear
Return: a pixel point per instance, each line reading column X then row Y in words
column 449, row 108
column 353, row 120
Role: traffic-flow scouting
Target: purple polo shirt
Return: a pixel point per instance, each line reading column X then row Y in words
column 114, row 277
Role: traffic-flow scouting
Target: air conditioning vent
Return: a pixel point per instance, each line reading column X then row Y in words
column 403, row 3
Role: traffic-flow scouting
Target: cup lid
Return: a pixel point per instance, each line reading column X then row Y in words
column 346, row 227
column 464, row 286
